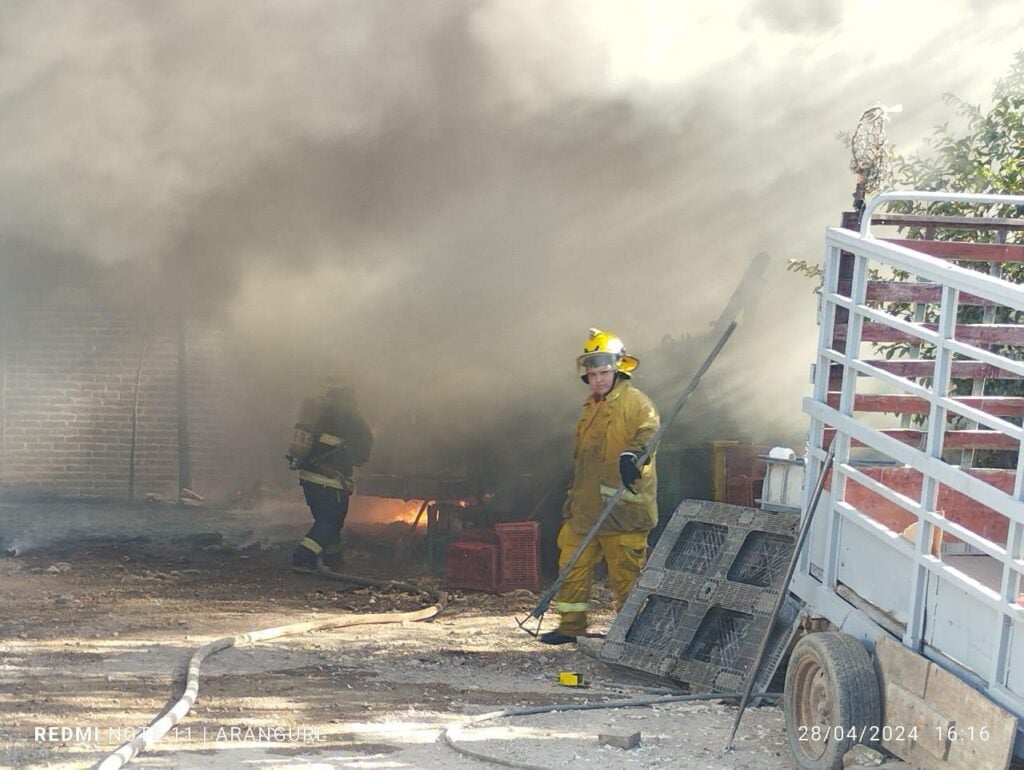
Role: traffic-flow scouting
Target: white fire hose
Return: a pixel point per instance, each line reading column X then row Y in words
column 157, row 729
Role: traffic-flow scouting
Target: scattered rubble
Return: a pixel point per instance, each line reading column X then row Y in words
column 103, row 643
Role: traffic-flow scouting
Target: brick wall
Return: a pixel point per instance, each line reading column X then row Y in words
column 90, row 404
column 210, row 388
column 155, row 365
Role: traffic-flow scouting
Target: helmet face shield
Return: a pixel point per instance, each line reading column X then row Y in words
column 590, row 361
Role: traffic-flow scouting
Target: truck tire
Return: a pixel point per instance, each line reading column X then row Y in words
column 831, row 699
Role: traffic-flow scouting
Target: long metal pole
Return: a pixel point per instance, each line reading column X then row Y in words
column 805, row 528
column 652, row 445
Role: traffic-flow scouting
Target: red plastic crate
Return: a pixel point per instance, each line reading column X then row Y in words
column 472, row 565
column 520, row 556
column 487, row 535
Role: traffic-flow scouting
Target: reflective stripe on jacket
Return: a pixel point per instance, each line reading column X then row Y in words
column 624, row 420
column 325, row 481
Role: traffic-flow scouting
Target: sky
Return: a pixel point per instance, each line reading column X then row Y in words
column 439, row 199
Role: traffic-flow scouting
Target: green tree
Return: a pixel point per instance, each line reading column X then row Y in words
column 987, row 157
column 984, row 153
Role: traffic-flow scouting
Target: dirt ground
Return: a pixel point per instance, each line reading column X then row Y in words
column 97, row 633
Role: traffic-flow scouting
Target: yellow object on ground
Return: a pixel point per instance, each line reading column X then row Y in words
column 570, row 679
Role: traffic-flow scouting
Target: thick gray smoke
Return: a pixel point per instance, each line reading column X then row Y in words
column 440, row 198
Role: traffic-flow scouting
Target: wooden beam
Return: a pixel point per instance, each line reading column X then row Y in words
column 1001, row 406
column 968, row 252
column 959, row 223
column 945, row 712
column 912, row 369
column 911, row 291
column 954, row 439
column 972, row 334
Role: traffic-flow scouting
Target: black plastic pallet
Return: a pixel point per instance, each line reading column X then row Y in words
column 700, row 607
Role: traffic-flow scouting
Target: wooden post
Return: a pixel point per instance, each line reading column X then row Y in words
column 720, row 470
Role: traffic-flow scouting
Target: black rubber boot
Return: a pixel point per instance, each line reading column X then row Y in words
column 333, row 561
column 303, row 558
column 554, row 637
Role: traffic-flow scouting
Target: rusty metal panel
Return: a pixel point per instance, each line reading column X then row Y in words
column 701, row 605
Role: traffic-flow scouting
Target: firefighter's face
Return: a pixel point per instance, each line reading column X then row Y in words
column 601, row 380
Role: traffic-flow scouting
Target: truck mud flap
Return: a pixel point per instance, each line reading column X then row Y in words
column 700, row 607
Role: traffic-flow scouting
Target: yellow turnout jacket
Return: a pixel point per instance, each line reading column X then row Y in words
column 624, row 420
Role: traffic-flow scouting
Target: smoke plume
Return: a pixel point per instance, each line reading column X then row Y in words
column 439, row 199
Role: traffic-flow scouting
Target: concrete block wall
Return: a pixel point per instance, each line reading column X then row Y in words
column 90, row 408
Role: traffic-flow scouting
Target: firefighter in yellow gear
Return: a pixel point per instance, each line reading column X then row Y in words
column 330, row 439
column 616, row 423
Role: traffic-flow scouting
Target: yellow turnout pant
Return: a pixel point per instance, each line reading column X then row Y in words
column 625, row 554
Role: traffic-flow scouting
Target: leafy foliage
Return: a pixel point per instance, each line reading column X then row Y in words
column 811, row 270
column 985, row 155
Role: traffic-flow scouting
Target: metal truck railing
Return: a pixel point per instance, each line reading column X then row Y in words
column 880, row 554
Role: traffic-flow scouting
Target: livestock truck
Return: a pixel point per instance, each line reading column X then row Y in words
column 911, row 633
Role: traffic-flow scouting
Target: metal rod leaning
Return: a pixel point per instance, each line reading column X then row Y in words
column 805, row 528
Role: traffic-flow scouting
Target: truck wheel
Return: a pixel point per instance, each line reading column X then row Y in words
column 831, row 700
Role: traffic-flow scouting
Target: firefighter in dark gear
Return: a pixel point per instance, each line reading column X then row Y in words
column 616, row 423
column 330, row 439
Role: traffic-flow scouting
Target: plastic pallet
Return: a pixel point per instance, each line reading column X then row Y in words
column 472, row 565
column 520, row 556
column 701, row 606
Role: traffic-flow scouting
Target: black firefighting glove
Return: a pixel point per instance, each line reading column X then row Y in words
column 629, row 469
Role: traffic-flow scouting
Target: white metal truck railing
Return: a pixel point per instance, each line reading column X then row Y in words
column 850, row 547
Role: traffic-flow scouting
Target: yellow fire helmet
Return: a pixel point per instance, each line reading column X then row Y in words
column 604, row 349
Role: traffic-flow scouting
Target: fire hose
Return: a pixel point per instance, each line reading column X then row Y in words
column 160, row 726
column 449, row 734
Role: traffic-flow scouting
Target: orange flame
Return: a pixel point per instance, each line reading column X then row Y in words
column 384, row 510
